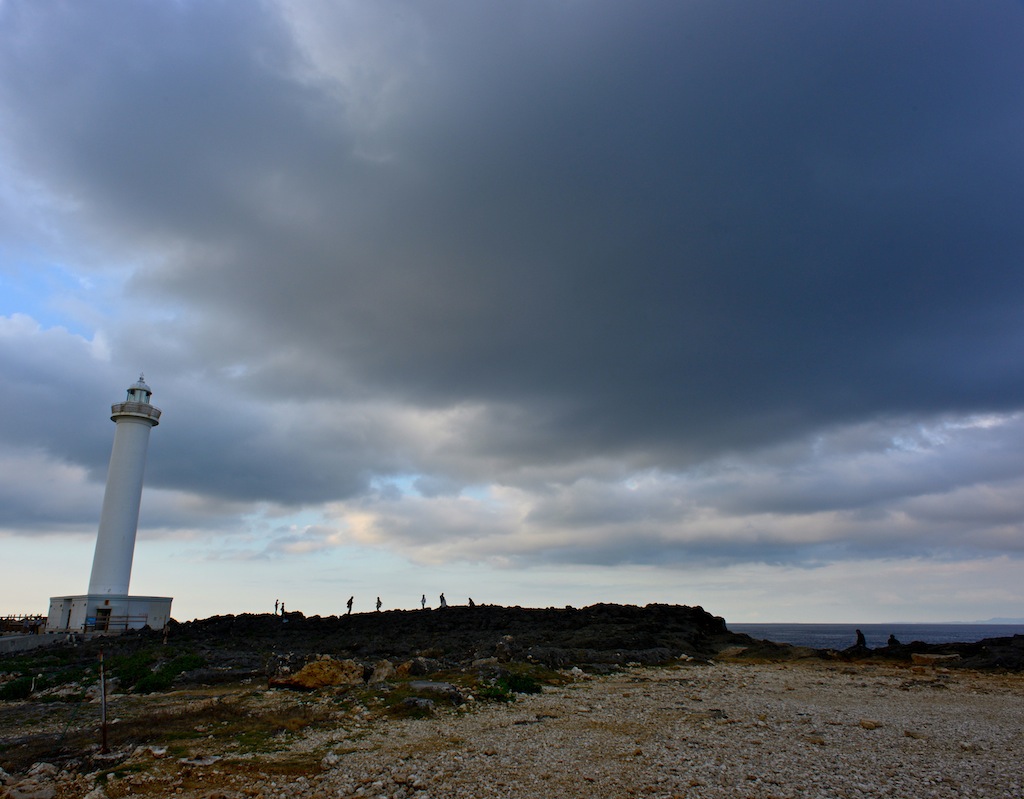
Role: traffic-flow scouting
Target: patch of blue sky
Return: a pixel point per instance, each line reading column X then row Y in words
column 266, row 525
column 420, row 485
column 394, row 485
column 300, row 520
column 479, row 492
column 48, row 293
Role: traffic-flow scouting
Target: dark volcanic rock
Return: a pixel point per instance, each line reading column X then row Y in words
column 459, row 635
column 1004, row 654
column 990, row 653
column 233, row 647
column 599, row 637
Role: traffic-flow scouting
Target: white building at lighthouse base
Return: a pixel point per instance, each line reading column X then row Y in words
column 107, row 613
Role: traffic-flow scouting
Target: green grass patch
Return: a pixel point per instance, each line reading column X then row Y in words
column 18, row 688
column 521, row 684
column 50, row 671
column 142, row 672
column 495, row 692
column 519, row 680
column 228, row 725
column 252, row 741
column 129, row 669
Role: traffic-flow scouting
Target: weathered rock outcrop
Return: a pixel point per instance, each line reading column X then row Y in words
column 460, row 635
column 321, row 673
column 424, row 642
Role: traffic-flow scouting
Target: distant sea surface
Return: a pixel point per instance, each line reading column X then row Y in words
column 840, row 636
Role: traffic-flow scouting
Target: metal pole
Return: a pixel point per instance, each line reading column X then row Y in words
column 103, row 708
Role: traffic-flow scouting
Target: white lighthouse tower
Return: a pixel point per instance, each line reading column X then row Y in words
column 108, row 606
column 119, row 520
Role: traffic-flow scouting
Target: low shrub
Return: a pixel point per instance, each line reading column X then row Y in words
column 130, row 669
column 496, row 692
column 18, row 688
column 136, row 671
column 505, row 688
column 522, row 684
column 163, row 677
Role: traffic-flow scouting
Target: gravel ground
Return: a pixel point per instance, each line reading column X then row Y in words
column 722, row 731
column 698, row 731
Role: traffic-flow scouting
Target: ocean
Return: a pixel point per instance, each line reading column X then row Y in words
column 840, row 636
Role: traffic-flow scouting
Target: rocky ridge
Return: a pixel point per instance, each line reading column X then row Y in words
column 599, row 638
column 367, row 688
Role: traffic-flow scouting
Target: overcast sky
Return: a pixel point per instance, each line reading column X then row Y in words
column 543, row 303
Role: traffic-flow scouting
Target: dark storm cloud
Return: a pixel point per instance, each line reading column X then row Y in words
column 52, row 396
column 544, row 246
column 886, row 462
column 673, row 229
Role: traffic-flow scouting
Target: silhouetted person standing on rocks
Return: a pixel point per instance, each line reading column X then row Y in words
column 423, row 602
column 861, row 641
column 378, row 604
column 444, row 602
column 349, row 603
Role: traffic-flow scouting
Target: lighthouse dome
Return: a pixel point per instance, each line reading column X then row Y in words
column 139, row 391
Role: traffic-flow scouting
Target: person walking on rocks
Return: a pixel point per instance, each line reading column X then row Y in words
column 349, row 603
column 378, row 604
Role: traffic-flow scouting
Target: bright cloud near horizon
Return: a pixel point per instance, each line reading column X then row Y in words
column 698, row 302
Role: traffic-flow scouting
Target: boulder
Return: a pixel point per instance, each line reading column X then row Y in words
column 30, row 788
column 441, row 689
column 383, row 671
column 505, row 649
column 418, row 667
column 321, row 673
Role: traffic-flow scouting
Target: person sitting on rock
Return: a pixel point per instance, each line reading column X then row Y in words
column 893, row 640
column 861, row 641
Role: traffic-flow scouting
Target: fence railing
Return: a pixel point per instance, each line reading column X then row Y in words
column 28, row 623
column 114, row 623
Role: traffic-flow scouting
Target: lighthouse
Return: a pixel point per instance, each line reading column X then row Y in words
column 108, row 606
column 119, row 519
